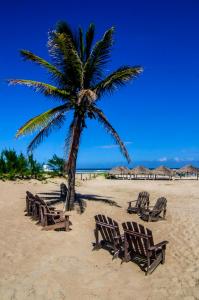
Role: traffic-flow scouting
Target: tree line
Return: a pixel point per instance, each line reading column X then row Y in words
column 18, row 166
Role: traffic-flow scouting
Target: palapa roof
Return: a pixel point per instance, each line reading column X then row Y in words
column 140, row 170
column 162, row 170
column 119, row 170
column 188, row 169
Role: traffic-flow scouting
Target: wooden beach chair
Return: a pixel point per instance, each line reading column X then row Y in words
column 141, row 202
column 52, row 220
column 63, row 191
column 110, row 234
column 154, row 214
column 40, row 205
column 139, row 247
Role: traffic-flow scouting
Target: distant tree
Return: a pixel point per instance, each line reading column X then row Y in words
column 11, row 160
column 2, row 164
column 78, row 70
column 57, row 163
column 22, row 165
column 35, row 168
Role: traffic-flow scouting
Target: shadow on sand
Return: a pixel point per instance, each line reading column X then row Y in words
column 81, row 200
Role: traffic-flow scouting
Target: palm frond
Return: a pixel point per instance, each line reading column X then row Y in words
column 117, row 79
column 100, row 55
column 41, row 120
column 56, row 122
column 63, row 27
column 89, row 40
column 44, row 88
column 103, row 120
column 66, row 57
column 27, row 55
column 81, row 44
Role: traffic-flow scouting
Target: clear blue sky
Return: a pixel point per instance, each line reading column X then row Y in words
column 157, row 115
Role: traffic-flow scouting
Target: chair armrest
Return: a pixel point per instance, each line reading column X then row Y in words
column 51, row 214
column 159, row 245
column 131, row 201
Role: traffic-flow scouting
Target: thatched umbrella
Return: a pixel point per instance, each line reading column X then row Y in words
column 188, row 169
column 140, row 170
column 119, row 170
column 162, row 170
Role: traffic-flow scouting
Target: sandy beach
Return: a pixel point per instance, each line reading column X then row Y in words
column 40, row 265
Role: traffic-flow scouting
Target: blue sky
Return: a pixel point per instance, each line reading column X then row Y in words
column 156, row 115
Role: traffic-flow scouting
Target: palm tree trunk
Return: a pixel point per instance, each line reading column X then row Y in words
column 71, row 166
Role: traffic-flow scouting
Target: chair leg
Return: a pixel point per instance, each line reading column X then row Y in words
column 163, row 256
column 97, row 244
column 164, row 214
column 67, row 222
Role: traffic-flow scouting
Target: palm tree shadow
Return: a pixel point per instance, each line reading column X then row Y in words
column 81, row 201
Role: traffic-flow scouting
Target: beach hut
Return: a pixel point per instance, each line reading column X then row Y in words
column 162, row 171
column 188, row 170
column 140, row 170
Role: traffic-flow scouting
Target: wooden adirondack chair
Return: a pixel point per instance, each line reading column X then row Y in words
column 63, row 191
column 52, row 220
column 40, row 204
column 110, row 234
column 139, row 247
column 141, row 202
column 154, row 214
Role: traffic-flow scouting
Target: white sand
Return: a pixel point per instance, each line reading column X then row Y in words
column 35, row 264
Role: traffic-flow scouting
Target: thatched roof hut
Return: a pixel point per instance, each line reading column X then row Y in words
column 162, row 170
column 188, row 169
column 140, row 170
column 119, row 170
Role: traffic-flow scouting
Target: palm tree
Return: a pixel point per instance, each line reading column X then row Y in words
column 79, row 82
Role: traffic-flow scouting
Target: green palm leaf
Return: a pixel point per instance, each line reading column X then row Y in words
column 44, row 88
column 67, row 59
column 89, row 40
column 117, row 79
column 81, row 44
column 63, row 27
column 56, row 122
column 42, row 120
column 27, row 55
column 100, row 55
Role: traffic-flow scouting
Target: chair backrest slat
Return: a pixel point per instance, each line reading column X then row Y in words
column 104, row 228
column 142, row 243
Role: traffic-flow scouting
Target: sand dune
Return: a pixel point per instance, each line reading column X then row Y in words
column 57, row 265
